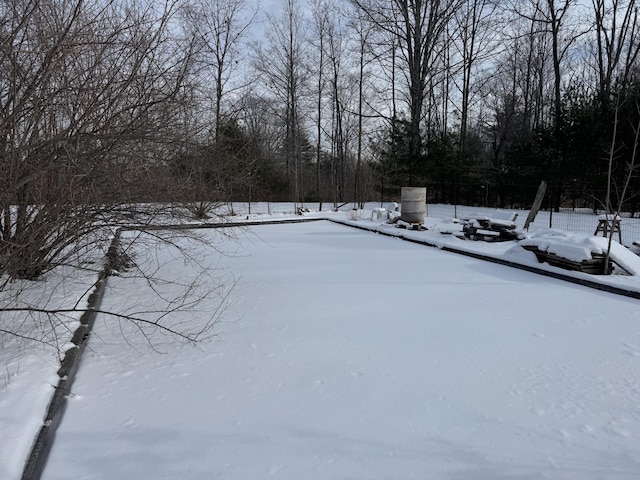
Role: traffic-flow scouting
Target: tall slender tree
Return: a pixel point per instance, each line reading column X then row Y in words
column 363, row 36
column 474, row 37
column 617, row 42
column 419, row 26
column 280, row 60
column 219, row 27
column 320, row 13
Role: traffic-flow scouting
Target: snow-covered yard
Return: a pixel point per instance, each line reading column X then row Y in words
column 343, row 354
column 346, row 354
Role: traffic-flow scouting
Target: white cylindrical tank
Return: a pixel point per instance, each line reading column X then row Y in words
column 414, row 203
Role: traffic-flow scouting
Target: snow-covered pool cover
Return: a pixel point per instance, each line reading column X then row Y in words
column 352, row 355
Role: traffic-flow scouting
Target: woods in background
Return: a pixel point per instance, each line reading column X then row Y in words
column 107, row 104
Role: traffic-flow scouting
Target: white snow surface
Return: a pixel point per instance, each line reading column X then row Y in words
column 29, row 362
column 575, row 247
column 350, row 355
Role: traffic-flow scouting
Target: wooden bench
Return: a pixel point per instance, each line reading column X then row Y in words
column 609, row 223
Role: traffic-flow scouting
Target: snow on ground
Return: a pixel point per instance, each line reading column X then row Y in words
column 578, row 246
column 345, row 354
column 29, row 362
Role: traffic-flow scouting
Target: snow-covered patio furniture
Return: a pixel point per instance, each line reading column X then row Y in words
column 609, row 223
column 500, row 226
column 579, row 252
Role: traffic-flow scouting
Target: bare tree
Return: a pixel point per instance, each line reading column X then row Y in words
column 475, row 35
column 617, row 29
column 419, row 27
column 220, row 26
column 280, row 60
column 90, row 105
column 335, row 52
column 551, row 17
column 613, row 206
column 82, row 86
column 364, row 36
column 320, row 23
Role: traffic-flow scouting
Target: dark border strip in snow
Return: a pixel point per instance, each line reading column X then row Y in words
column 242, row 223
column 557, row 275
column 37, row 459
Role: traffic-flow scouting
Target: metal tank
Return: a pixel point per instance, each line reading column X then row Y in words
column 414, row 203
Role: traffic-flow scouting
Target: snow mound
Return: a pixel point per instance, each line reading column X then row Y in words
column 579, row 247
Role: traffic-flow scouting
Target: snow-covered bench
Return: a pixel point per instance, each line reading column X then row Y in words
column 609, row 223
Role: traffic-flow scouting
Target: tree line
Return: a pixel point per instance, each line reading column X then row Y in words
column 107, row 105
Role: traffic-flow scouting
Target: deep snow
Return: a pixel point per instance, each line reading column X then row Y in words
column 345, row 354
